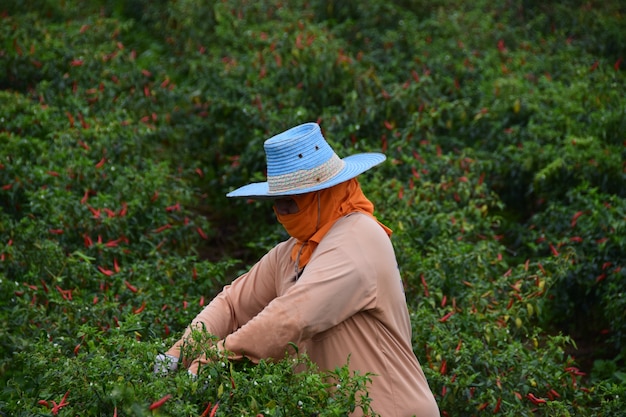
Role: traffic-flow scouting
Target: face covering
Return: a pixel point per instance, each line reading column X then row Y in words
column 317, row 213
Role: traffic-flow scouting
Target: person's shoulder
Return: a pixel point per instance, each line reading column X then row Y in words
column 360, row 224
column 283, row 247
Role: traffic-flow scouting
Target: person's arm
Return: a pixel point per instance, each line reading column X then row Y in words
column 235, row 305
column 339, row 281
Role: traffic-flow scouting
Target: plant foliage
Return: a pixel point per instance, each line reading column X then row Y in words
column 124, row 123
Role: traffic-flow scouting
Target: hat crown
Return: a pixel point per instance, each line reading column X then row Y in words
column 300, row 148
column 300, row 158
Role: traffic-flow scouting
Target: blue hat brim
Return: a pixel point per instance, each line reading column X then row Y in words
column 353, row 166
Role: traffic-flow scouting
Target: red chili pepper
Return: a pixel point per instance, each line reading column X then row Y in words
column 112, row 243
column 70, row 118
column 575, row 217
column 96, row 213
column 206, row 411
column 100, row 163
column 160, row 402
column 85, row 197
column 553, row 250
column 201, row 233
column 80, row 115
column 483, row 406
column 510, row 304
column 214, row 410
column 162, row 228
column 423, row 279
column 575, row 371
column 56, row 407
column 66, row 294
column 446, row 317
column 140, row 309
column 105, row 271
column 535, row 400
column 123, row 210
column 496, row 409
column 130, row 286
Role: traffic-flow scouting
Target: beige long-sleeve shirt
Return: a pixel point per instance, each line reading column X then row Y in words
column 348, row 301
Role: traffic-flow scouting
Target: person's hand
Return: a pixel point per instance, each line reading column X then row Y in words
column 165, row 364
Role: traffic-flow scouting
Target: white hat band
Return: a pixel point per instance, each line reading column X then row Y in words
column 302, row 179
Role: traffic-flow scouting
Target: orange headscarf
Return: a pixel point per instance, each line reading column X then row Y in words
column 315, row 217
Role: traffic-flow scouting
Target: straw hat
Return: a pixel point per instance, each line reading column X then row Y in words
column 300, row 161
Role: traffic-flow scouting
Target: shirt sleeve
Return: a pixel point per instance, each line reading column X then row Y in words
column 236, row 304
column 338, row 282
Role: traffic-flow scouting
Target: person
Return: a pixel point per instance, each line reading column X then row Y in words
column 333, row 288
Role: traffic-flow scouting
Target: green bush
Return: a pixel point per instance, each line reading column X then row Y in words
column 123, row 124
